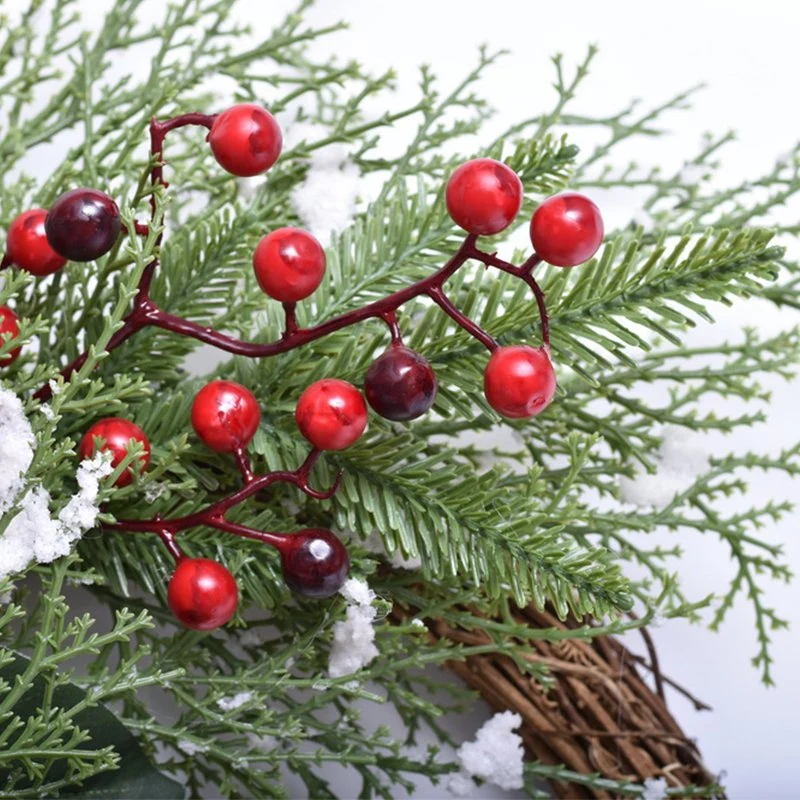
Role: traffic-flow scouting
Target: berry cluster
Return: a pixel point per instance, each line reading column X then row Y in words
column 483, row 197
column 225, row 416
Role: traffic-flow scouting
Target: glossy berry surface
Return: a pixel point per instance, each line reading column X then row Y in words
column 519, row 381
column 400, row 384
column 289, row 264
column 314, row 563
column 9, row 323
column 83, row 225
column 116, row 433
column 567, row 229
column 331, row 414
column 27, row 246
column 202, row 594
column 246, row 140
column 483, row 196
column 225, row 415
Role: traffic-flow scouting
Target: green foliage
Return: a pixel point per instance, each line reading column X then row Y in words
column 494, row 508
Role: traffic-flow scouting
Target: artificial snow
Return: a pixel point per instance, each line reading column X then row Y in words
column 326, row 200
column 353, row 645
column 16, row 448
column 32, row 534
column 654, row 789
column 237, row 701
column 190, row 748
column 494, row 756
column 265, row 743
column 680, row 460
column 374, row 543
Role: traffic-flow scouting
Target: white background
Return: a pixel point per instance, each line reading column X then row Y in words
column 747, row 52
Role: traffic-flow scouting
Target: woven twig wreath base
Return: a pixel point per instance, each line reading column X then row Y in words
column 598, row 716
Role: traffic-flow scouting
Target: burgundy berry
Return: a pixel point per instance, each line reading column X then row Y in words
column 566, row 229
column 27, row 245
column 314, row 563
column 202, row 594
column 83, row 225
column 246, row 140
column 225, row 416
column 116, row 434
column 400, row 384
column 331, row 414
column 519, row 381
column 483, row 196
column 289, row 264
column 9, row 323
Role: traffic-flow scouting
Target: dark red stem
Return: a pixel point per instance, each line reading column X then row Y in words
column 146, row 313
column 213, row 516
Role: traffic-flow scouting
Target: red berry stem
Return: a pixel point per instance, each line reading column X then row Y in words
column 243, row 462
column 390, row 318
column 171, row 544
column 215, row 513
column 436, row 293
column 146, row 313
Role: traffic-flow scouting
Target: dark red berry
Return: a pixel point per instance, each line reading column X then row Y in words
column 331, row 414
column 314, row 563
column 519, row 381
column 9, row 323
column 27, row 245
column 400, row 384
column 202, row 594
column 289, row 264
column 246, row 140
column 83, row 224
column 116, row 434
column 225, row 415
column 484, row 196
column 567, row 229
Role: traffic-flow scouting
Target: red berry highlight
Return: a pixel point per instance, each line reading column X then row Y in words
column 567, row 229
column 483, row 196
column 331, row 414
column 27, row 245
column 519, row 381
column 246, row 140
column 289, row 264
column 116, row 434
column 400, row 384
column 314, row 563
column 225, row 415
column 202, row 594
column 9, row 323
column 83, row 225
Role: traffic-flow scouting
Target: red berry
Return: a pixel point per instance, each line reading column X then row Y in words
column 225, row 415
column 202, row 594
column 331, row 414
column 484, row 196
column 9, row 323
column 314, row 563
column 567, row 229
column 400, row 384
column 116, row 433
column 246, row 140
column 289, row 264
column 519, row 381
column 27, row 244
column 83, row 224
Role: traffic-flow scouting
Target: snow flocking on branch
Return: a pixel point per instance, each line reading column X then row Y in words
column 32, row 534
column 681, row 459
column 495, row 756
column 326, row 200
column 353, row 645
